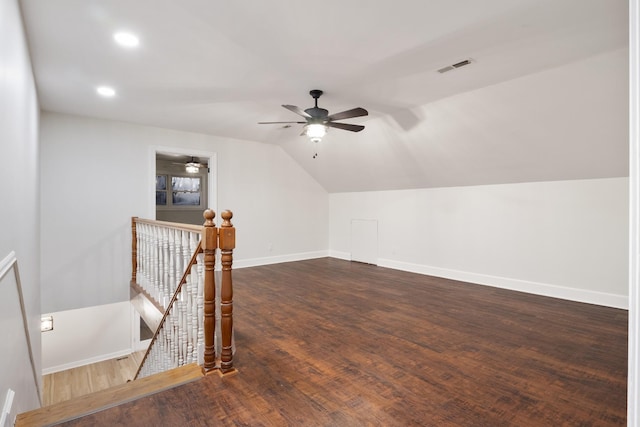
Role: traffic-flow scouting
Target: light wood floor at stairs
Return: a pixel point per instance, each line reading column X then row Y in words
column 76, row 382
column 82, row 403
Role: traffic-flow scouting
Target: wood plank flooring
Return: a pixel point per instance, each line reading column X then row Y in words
column 117, row 395
column 72, row 383
column 331, row 343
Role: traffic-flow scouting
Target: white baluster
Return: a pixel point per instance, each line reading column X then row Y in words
column 186, row 251
column 194, row 238
column 200, row 309
column 147, row 259
column 138, row 253
column 189, row 310
column 193, row 292
column 185, row 323
column 172, row 258
column 180, row 266
column 178, row 336
column 174, row 337
column 142, row 252
column 164, row 266
column 158, row 263
column 182, row 336
column 153, row 266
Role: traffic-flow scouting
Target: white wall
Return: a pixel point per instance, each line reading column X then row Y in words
column 19, row 205
column 566, row 239
column 96, row 175
column 633, row 378
column 86, row 335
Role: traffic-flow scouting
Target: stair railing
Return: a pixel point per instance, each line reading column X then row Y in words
column 188, row 331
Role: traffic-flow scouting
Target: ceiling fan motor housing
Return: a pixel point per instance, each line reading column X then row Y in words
column 317, row 112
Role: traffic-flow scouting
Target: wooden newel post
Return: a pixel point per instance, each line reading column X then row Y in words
column 134, row 250
column 209, row 246
column 227, row 233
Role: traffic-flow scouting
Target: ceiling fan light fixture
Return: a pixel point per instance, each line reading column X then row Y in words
column 316, row 131
column 192, row 169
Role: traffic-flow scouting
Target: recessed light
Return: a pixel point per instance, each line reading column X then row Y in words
column 126, row 39
column 106, row 91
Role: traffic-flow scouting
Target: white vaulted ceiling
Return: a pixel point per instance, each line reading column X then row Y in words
column 545, row 97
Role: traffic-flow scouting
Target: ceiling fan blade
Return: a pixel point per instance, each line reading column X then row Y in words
column 354, row 112
column 299, row 111
column 345, row 126
column 275, row 123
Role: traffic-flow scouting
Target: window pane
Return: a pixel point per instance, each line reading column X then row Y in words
column 161, row 198
column 185, row 183
column 161, row 182
column 186, row 198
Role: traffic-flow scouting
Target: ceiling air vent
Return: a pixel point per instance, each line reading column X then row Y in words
column 454, row 66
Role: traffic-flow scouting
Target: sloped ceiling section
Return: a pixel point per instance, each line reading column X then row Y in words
column 569, row 122
column 544, row 97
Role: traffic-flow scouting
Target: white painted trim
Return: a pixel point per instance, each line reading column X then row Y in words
column 6, row 409
column 633, row 376
column 212, row 188
column 340, row 255
column 254, row 262
column 135, row 328
column 545, row 289
column 89, row 361
column 8, row 263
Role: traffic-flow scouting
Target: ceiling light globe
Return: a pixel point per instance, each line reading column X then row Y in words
column 316, row 131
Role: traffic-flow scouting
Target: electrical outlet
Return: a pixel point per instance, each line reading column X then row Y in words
column 270, row 247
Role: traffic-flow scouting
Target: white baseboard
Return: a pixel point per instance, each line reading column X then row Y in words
column 544, row 289
column 340, row 255
column 78, row 363
column 254, row 262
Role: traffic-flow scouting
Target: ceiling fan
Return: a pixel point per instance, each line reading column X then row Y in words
column 192, row 166
column 318, row 119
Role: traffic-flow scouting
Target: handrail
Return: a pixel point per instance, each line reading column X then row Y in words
column 187, row 271
column 167, row 224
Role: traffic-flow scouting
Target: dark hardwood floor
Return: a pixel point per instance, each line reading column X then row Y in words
column 332, row 343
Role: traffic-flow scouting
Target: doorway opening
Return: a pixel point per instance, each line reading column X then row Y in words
column 184, row 185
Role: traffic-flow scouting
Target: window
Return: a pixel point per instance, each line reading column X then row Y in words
column 161, row 190
column 185, row 191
